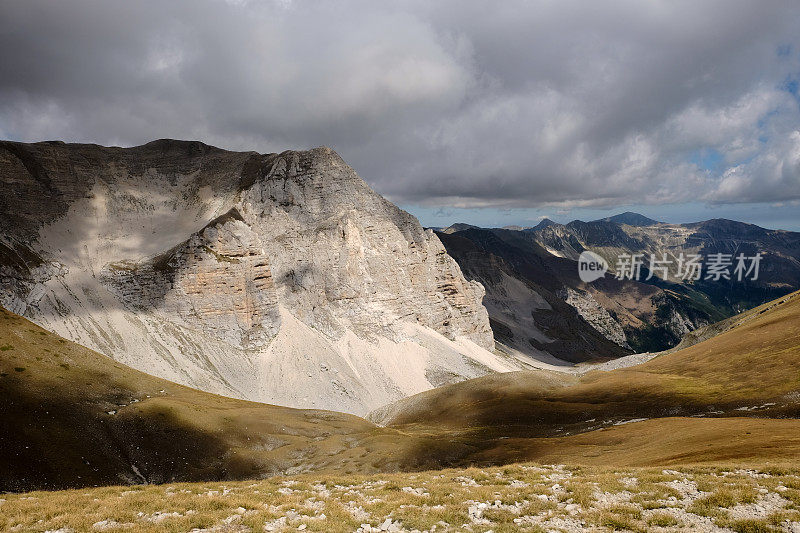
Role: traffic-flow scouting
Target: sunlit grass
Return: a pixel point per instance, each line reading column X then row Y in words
column 517, row 497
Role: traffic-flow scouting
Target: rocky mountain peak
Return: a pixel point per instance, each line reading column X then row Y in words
column 544, row 223
column 272, row 277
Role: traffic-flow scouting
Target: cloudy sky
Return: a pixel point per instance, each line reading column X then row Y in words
column 486, row 112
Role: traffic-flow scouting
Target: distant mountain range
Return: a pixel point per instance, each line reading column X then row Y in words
column 631, row 219
column 636, row 314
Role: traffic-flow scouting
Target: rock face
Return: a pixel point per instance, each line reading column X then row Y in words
column 527, row 310
column 595, row 314
column 219, row 280
column 280, row 278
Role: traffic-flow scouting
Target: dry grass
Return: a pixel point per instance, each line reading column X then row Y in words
column 754, row 367
column 730, row 398
column 71, row 417
column 518, row 497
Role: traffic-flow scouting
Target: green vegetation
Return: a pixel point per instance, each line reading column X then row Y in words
column 221, row 257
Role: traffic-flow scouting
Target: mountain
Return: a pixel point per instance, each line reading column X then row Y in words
column 633, row 414
column 280, row 278
column 528, row 317
column 71, row 417
column 458, row 226
column 630, row 218
column 632, row 315
column 645, row 315
column 543, row 224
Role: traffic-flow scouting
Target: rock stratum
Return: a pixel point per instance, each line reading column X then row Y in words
column 279, row 278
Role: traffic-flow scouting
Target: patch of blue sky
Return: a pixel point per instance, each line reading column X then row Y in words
column 792, row 86
column 709, row 159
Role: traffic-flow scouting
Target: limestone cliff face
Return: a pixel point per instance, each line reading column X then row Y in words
column 344, row 255
column 278, row 277
column 218, row 281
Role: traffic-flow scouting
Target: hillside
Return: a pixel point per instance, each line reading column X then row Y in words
column 70, row 417
column 633, row 315
column 702, row 301
column 751, row 370
column 526, row 314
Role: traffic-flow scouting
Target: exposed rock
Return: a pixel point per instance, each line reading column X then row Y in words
column 596, row 315
column 281, row 277
column 529, row 316
column 218, row 281
column 653, row 313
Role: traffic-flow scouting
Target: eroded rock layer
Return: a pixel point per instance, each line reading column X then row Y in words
column 281, row 277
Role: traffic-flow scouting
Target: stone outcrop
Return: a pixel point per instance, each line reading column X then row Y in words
column 271, row 277
column 595, row 314
column 218, row 281
column 342, row 254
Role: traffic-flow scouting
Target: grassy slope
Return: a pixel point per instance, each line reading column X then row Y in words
column 740, row 372
column 662, row 442
column 56, row 430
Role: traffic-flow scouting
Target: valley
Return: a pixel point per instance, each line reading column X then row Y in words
column 72, row 417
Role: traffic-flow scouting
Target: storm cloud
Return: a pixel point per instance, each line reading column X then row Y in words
column 451, row 103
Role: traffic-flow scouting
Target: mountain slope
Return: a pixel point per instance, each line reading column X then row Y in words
column 779, row 271
column 280, row 278
column 633, row 315
column 750, row 370
column 526, row 316
column 650, row 313
column 662, row 442
column 70, row 417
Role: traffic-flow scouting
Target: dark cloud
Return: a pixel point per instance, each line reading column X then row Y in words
column 445, row 103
